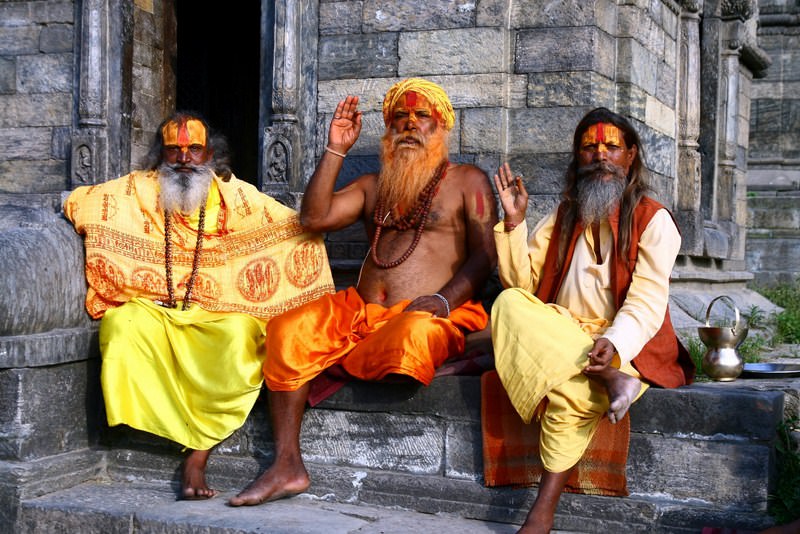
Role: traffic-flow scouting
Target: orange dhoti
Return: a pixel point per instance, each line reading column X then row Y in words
column 368, row 340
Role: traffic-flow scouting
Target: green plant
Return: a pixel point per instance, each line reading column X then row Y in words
column 751, row 348
column 788, row 322
column 696, row 350
column 785, row 501
column 787, row 296
column 755, row 317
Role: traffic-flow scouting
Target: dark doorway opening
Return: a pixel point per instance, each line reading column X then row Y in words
column 218, row 74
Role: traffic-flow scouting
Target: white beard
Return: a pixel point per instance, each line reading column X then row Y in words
column 599, row 197
column 183, row 192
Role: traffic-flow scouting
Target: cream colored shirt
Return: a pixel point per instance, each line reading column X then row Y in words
column 586, row 291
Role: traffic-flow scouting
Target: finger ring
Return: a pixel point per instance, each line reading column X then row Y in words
column 337, row 116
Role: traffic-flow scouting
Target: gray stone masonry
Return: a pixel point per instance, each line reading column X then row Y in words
column 700, row 456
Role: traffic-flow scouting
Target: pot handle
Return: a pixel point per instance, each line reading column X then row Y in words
column 733, row 305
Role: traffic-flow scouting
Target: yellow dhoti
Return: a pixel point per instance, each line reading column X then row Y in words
column 540, row 350
column 189, row 376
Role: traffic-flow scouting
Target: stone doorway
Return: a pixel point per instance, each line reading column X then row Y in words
column 218, row 73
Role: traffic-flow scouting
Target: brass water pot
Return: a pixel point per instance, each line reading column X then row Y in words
column 721, row 361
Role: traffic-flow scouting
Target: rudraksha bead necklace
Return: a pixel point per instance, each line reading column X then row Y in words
column 416, row 218
column 187, row 297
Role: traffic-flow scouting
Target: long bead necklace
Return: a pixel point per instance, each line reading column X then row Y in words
column 416, row 218
column 187, row 297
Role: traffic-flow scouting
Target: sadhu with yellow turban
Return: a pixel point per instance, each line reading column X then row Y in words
column 431, row 91
column 429, row 224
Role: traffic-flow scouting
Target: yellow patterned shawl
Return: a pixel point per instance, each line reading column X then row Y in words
column 258, row 261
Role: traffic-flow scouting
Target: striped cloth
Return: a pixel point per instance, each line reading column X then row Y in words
column 511, row 448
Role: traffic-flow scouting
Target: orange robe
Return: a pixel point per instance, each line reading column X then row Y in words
column 368, row 340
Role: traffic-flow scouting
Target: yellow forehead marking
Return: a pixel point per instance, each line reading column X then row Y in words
column 602, row 134
column 184, row 134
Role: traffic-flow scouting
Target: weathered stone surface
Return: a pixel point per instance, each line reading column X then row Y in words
column 34, row 478
column 637, row 65
column 463, row 451
column 491, row 13
column 391, row 16
column 660, row 116
column 56, row 38
column 775, row 212
column 19, row 40
column 774, row 255
column 375, row 441
column 46, row 256
column 482, row 130
column 600, row 13
column 465, row 91
column 37, row 176
column 53, row 12
column 712, row 410
column 716, row 243
column 665, row 90
column 581, row 88
column 357, row 56
column 735, row 474
column 8, row 75
column 105, row 507
column 25, row 143
column 462, row 51
column 659, row 149
column 31, row 426
column 543, row 50
column 21, row 110
column 527, row 134
column 338, row 18
column 48, row 348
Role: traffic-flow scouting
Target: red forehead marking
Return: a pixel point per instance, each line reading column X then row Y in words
column 411, row 99
column 479, row 204
column 601, row 133
column 183, row 134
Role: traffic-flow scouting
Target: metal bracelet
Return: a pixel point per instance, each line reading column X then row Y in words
column 446, row 304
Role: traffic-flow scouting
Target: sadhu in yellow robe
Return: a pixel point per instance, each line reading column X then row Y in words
column 189, row 376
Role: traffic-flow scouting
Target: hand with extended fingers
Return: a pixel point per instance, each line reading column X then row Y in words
column 513, row 196
column 345, row 126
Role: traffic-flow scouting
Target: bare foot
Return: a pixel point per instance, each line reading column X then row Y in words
column 275, row 483
column 536, row 525
column 193, row 478
column 622, row 391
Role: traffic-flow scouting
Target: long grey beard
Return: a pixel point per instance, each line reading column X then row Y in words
column 183, row 191
column 598, row 198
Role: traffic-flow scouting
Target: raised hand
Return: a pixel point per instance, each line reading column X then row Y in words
column 345, row 125
column 513, row 196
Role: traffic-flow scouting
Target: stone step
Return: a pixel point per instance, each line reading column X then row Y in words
column 699, row 456
column 123, row 507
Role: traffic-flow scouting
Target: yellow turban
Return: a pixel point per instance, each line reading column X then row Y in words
column 434, row 93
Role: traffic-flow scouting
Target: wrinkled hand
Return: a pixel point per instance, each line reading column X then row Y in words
column 428, row 303
column 600, row 356
column 513, row 196
column 345, row 125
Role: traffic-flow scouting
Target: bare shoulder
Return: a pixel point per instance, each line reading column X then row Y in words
column 469, row 177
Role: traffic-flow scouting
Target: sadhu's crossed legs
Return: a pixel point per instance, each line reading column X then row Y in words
column 287, row 475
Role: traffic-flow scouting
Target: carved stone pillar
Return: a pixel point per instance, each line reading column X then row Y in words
column 731, row 56
column 688, row 194
column 288, row 142
column 90, row 138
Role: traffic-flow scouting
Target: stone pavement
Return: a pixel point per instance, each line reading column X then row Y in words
column 104, row 508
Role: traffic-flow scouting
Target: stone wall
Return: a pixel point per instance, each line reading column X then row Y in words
column 520, row 79
column 773, row 178
column 36, row 95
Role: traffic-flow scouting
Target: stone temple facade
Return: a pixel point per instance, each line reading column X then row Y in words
column 713, row 87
